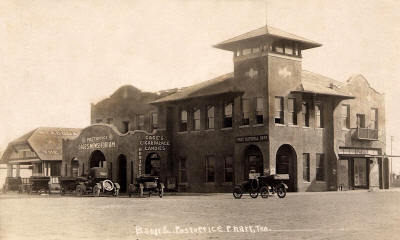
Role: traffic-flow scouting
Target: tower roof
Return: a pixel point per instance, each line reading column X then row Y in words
column 266, row 32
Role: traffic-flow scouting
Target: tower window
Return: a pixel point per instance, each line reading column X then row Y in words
column 183, row 121
column 279, row 110
column 245, row 111
column 292, row 111
column 259, row 110
column 306, row 114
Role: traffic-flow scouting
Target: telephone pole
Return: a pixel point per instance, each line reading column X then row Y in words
column 391, row 160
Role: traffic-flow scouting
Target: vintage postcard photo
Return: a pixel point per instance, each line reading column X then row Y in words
column 199, row 119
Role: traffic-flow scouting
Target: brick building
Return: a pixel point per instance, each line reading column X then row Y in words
column 268, row 115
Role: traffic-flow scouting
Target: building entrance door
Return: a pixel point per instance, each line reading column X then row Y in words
column 286, row 163
column 153, row 163
column 254, row 161
column 343, row 174
column 360, row 172
column 122, row 172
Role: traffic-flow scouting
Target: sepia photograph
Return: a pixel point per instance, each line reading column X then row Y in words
column 199, row 119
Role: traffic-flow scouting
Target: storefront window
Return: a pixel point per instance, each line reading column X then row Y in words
column 182, row 171
column 210, row 169
column 228, row 169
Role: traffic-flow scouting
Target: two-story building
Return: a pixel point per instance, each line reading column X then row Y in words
column 268, row 115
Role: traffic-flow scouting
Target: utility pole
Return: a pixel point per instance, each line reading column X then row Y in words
column 391, row 160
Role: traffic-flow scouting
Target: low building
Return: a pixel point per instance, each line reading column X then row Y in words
column 40, row 148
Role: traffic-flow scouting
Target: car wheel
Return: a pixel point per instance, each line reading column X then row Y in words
column 264, row 192
column 237, row 192
column 253, row 194
column 281, row 191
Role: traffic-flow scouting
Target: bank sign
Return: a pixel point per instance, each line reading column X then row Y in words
column 248, row 139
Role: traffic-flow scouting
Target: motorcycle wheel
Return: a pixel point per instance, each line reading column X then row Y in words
column 264, row 192
column 253, row 193
column 281, row 191
column 237, row 192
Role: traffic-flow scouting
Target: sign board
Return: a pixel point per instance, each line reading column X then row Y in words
column 257, row 138
column 358, row 151
column 155, row 143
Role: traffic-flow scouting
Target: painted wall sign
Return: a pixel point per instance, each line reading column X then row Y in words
column 139, row 162
column 100, row 142
column 258, row 138
column 154, row 143
column 359, row 151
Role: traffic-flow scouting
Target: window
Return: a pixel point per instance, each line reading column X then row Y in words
column 320, row 167
column 345, row 116
column 55, row 169
column 196, row 119
column 277, row 46
column 259, row 110
column 318, row 115
column 360, row 121
column 246, row 51
column 99, row 120
column 306, row 167
column 183, row 121
column 140, row 119
column 292, row 116
column 228, row 169
column 210, row 117
column 125, row 126
column 279, row 110
column 289, row 48
column 110, row 121
column 306, row 114
column 374, row 118
column 210, row 169
column 228, row 110
column 154, row 121
column 245, row 111
column 182, row 170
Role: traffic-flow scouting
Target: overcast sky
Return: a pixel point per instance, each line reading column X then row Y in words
column 57, row 57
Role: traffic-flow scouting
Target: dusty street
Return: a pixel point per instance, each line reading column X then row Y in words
column 329, row 215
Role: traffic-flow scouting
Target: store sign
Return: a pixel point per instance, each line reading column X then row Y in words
column 155, row 143
column 258, row 138
column 358, row 151
column 101, row 142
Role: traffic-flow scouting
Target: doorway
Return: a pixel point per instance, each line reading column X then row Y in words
column 253, row 161
column 122, row 174
column 343, row 174
column 97, row 159
column 286, row 163
column 152, row 165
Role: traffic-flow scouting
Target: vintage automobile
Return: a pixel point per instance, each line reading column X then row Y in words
column 150, row 184
column 25, row 185
column 265, row 185
column 12, row 184
column 39, row 184
column 96, row 183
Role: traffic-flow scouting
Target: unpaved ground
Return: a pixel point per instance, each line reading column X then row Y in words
column 330, row 215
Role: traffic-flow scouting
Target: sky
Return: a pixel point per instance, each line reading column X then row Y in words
column 58, row 57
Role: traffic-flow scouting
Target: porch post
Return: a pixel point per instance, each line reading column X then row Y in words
column 17, row 171
column 9, row 170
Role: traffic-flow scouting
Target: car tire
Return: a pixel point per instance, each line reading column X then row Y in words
column 253, row 193
column 237, row 192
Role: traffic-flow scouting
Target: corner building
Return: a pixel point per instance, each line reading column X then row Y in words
column 268, row 115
